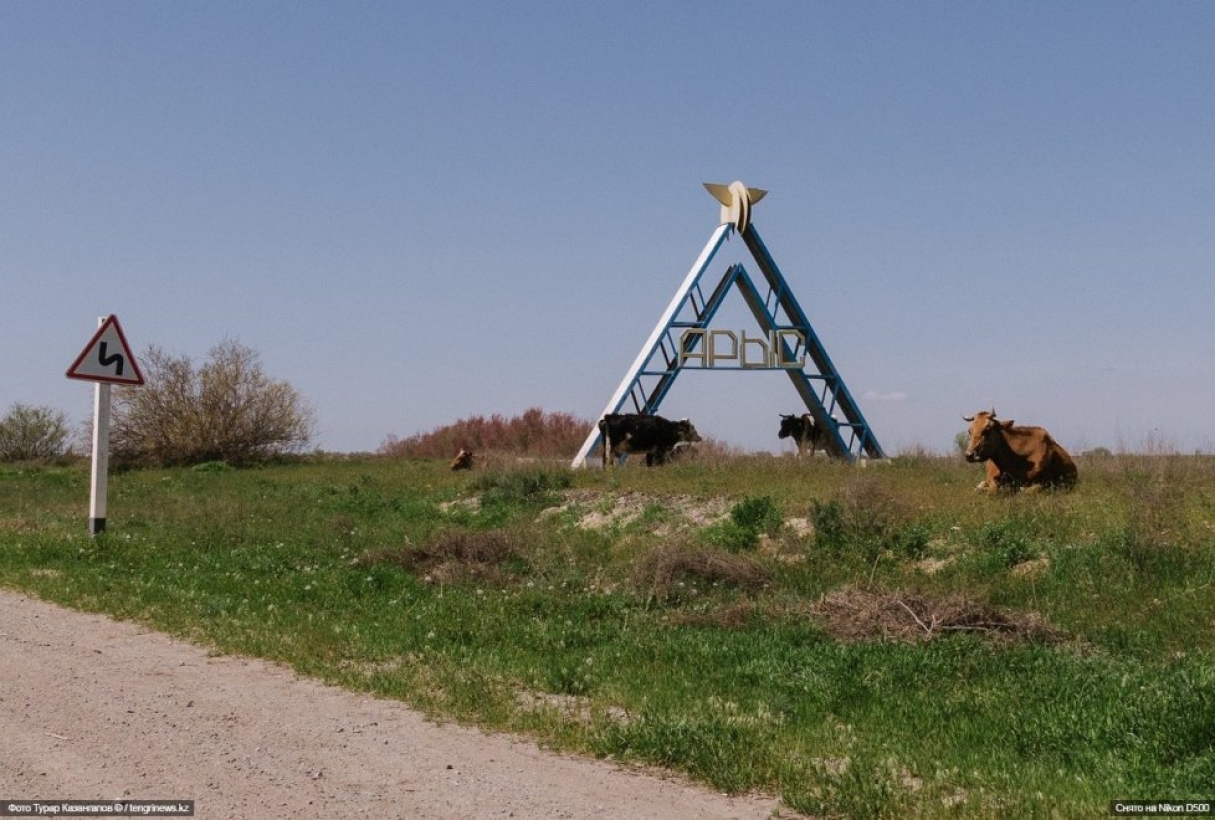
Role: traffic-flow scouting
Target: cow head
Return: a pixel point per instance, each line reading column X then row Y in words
column 787, row 423
column 463, row 460
column 795, row 426
column 985, row 435
column 685, row 431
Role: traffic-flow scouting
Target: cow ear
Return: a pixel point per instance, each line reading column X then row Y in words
column 1007, row 425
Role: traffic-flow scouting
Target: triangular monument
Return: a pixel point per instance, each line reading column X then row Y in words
column 683, row 340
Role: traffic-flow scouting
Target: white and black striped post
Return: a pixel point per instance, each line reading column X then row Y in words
column 99, row 481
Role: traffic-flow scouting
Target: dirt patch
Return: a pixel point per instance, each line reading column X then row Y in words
column 597, row 510
column 931, row 566
column 1032, row 568
column 853, row 614
column 569, row 707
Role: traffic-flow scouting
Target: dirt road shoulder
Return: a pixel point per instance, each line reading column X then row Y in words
column 92, row 708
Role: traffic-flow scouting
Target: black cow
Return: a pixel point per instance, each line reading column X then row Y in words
column 625, row 433
column 804, row 432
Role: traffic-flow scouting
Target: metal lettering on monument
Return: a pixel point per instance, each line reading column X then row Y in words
column 771, row 352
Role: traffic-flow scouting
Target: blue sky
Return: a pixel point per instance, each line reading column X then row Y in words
column 418, row 212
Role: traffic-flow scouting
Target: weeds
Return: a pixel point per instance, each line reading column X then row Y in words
column 667, row 573
column 827, row 668
column 748, row 520
column 514, row 487
column 456, row 556
column 866, row 518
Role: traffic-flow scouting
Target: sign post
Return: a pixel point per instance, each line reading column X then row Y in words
column 106, row 360
column 100, row 478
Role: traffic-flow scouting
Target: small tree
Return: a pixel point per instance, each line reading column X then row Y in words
column 33, row 434
column 227, row 410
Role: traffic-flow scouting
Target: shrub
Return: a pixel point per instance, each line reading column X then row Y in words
column 1007, row 542
column 225, row 410
column 749, row 518
column 757, row 513
column 866, row 516
column 33, row 434
column 534, row 433
column 830, row 529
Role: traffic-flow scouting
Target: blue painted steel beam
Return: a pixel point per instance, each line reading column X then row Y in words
column 662, row 357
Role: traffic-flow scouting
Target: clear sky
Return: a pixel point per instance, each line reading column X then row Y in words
column 421, row 211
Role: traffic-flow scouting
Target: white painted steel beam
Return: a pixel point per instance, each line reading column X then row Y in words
column 647, row 350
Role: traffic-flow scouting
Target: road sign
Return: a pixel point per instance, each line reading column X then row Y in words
column 107, row 357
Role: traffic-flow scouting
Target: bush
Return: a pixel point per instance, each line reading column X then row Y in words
column 1007, row 543
column 33, row 434
column 867, row 516
column 749, row 519
column 534, row 433
column 227, row 410
column 757, row 513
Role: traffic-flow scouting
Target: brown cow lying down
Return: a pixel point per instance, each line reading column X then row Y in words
column 463, row 460
column 1017, row 457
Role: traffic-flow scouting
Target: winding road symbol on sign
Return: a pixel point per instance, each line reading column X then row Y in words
column 98, row 364
column 106, row 361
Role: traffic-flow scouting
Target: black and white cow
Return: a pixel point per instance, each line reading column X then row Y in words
column 804, row 432
column 625, row 433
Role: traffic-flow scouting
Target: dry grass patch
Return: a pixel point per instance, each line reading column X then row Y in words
column 454, row 556
column 731, row 616
column 853, row 614
column 661, row 571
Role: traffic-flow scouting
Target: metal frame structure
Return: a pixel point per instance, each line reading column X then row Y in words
column 776, row 310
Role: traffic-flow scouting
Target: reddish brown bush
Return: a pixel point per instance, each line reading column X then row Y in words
column 534, row 433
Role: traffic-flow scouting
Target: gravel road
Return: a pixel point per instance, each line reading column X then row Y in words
column 96, row 709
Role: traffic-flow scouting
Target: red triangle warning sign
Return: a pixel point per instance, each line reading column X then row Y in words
column 107, row 357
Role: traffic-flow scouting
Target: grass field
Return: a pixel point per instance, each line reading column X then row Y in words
column 864, row 642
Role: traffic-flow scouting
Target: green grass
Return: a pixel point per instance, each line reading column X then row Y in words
column 481, row 598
